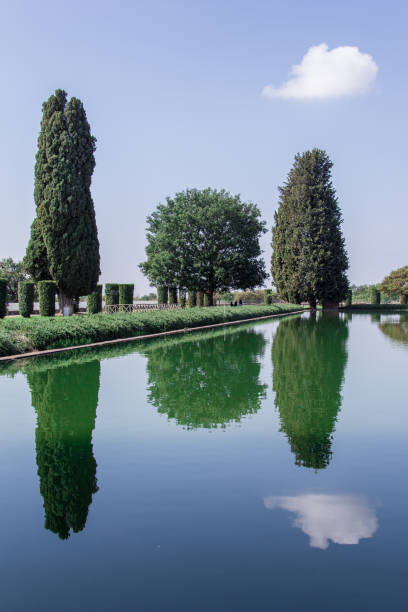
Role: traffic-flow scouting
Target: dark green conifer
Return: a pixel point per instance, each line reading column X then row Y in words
column 309, row 260
column 64, row 242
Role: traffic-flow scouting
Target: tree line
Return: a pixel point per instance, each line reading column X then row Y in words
column 199, row 242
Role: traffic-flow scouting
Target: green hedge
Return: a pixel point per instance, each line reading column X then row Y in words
column 162, row 295
column 111, row 294
column 126, row 293
column 46, row 294
column 94, row 301
column 172, row 295
column 3, row 295
column 26, row 298
column 20, row 335
column 268, row 296
column 192, row 298
column 375, row 296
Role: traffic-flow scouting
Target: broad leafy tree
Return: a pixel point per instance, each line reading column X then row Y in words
column 13, row 272
column 396, row 283
column 205, row 241
column 309, row 260
column 64, row 241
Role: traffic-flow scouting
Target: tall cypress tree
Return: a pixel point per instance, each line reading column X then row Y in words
column 64, row 237
column 309, row 260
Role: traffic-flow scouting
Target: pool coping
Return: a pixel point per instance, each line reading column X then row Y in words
column 145, row 336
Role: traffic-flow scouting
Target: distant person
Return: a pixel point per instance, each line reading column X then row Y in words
column 231, row 304
column 240, row 302
column 236, row 303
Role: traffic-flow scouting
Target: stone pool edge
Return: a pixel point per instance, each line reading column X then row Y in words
column 145, row 336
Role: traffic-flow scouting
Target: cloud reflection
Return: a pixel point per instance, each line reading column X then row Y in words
column 343, row 519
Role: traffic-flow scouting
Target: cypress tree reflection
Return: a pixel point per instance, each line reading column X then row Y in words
column 65, row 400
column 206, row 383
column 309, row 357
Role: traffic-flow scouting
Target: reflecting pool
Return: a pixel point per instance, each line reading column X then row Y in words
column 248, row 468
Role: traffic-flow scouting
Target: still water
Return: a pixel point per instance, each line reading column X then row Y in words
column 255, row 468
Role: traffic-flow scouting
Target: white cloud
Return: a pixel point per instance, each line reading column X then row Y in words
column 323, row 74
column 344, row 519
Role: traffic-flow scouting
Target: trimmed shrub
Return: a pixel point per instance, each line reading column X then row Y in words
column 26, row 298
column 3, row 294
column 192, row 298
column 162, row 295
column 172, row 295
column 200, row 298
column 94, row 301
column 111, row 294
column 267, row 296
column 375, row 296
column 46, row 295
column 126, row 293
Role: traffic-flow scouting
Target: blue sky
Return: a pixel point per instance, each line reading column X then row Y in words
column 173, row 90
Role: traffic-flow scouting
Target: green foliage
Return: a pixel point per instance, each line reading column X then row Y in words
column 26, row 298
column 65, row 400
column 36, row 260
column 94, row 301
column 126, row 293
column 183, row 297
column 404, row 299
column 162, row 295
column 309, row 359
column 21, row 335
column 65, row 211
column 396, row 283
column 3, row 297
column 349, row 298
column 206, row 300
column 200, row 298
column 205, row 240
column 375, row 296
column 172, row 295
column 192, row 298
column 267, row 296
column 46, row 293
column 250, row 297
column 206, row 383
column 309, row 260
column 111, row 294
column 13, row 272
column 148, row 297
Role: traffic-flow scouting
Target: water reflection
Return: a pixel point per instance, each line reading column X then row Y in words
column 396, row 328
column 65, row 400
column 343, row 519
column 206, row 382
column 309, row 357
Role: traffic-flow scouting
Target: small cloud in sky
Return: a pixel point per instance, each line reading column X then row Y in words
column 323, row 74
column 343, row 519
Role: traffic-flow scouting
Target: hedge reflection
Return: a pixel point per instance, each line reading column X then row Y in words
column 65, row 400
column 206, row 383
column 309, row 357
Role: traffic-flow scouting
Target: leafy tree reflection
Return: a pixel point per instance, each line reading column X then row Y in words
column 396, row 330
column 309, row 357
column 65, row 400
column 206, row 383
